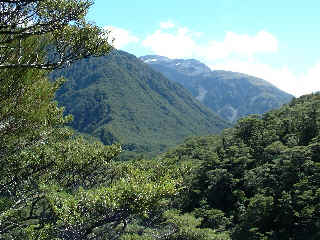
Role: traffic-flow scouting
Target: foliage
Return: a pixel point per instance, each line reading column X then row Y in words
column 260, row 179
column 119, row 99
column 54, row 184
column 28, row 114
column 57, row 27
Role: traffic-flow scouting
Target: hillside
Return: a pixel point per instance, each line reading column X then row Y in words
column 232, row 95
column 119, row 99
column 259, row 179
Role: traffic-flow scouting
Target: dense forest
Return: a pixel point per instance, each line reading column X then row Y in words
column 119, row 99
column 260, row 179
column 257, row 180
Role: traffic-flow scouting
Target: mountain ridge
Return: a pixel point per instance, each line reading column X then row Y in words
column 232, row 95
column 118, row 98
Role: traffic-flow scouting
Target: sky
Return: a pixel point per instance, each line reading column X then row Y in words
column 274, row 40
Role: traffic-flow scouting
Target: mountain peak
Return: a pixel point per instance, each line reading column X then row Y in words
column 191, row 67
column 231, row 94
column 154, row 58
column 118, row 98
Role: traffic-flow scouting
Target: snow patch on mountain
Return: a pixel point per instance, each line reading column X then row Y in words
column 151, row 60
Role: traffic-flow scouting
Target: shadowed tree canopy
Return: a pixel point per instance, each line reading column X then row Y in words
column 27, row 27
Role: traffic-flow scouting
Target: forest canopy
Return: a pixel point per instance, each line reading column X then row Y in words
column 257, row 180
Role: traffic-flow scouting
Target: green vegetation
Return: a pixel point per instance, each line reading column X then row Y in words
column 260, row 179
column 53, row 184
column 58, row 28
column 118, row 99
column 257, row 180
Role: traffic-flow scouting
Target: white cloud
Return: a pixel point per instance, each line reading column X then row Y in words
column 122, row 37
column 166, row 25
column 236, row 52
column 173, row 45
column 281, row 77
column 241, row 44
column 310, row 82
column 180, row 42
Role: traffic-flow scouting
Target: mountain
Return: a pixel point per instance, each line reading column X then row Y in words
column 232, row 95
column 118, row 98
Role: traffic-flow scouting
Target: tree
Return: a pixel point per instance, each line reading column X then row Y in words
column 28, row 114
column 28, row 27
column 260, row 179
column 54, row 185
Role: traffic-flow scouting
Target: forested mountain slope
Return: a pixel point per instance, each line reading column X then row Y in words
column 260, row 179
column 120, row 99
column 232, row 95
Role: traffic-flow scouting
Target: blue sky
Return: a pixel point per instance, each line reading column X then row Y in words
column 275, row 40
